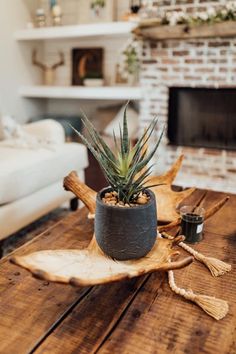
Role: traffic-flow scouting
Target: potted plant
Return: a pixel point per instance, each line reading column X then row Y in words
column 129, row 64
column 125, row 218
column 93, row 79
column 97, row 6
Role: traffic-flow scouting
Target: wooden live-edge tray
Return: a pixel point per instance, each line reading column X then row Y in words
column 91, row 266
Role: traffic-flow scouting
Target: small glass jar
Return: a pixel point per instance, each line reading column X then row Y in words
column 40, row 17
column 56, row 14
column 192, row 220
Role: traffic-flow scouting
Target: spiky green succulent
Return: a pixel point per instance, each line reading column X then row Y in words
column 123, row 168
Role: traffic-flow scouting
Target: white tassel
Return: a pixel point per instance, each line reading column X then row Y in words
column 214, row 307
column 215, row 266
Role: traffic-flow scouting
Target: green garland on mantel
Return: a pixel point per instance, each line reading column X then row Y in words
column 210, row 16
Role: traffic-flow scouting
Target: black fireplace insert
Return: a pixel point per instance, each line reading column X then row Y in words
column 202, row 117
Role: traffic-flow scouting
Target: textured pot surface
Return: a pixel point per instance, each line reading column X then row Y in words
column 128, row 232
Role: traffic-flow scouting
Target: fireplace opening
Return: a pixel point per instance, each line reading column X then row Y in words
column 202, row 117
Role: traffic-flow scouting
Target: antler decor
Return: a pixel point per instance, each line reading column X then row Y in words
column 48, row 71
column 167, row 199
column 91, row 266
column 209, row 212
column 87, row 195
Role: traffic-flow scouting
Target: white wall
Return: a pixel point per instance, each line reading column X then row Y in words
column 15, row 59
column 15, row 68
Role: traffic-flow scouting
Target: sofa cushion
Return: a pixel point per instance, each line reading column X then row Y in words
column 25, row 171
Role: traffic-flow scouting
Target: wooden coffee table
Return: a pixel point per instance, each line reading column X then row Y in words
column 140, row 315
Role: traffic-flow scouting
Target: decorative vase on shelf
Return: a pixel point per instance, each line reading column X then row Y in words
column 130, row 63
column 133, row 79
column 93, row 82
column 56, row 13
column 97, row 12
column 40, row 18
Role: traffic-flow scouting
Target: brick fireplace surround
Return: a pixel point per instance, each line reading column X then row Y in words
column 189, row 63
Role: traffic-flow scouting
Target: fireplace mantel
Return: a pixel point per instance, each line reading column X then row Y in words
column 152, row 30
column 192, row 60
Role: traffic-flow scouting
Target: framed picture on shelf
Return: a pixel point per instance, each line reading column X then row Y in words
column 90, row 11
column 87, row 66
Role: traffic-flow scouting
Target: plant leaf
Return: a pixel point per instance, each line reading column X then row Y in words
column 123, row 167
column 125, row 132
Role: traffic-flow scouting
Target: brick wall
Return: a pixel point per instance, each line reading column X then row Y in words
column 190, row 63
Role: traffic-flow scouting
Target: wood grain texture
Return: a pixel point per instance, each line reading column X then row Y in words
column 173, row 324
column 29, row 307
column 140, row 315
column 157, row 32
column 90, row 323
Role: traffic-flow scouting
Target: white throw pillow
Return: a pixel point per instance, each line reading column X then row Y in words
column 9, row 128
column 13, row 135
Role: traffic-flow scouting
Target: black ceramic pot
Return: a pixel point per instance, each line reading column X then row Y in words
column 128, row 232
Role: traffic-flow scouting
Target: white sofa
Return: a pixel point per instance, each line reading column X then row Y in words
column 31, row 180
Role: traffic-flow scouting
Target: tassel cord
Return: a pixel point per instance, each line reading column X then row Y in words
column 214, row 307
column 190, row 250
column 215, row 266
column 187, row 294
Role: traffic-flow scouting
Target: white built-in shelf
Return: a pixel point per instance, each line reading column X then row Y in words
column 81, row 92
column 76, row 31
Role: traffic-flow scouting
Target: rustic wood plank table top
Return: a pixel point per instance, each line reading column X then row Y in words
column 140, row 315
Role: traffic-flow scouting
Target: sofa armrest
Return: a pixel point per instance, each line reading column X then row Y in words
column 46, row 129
